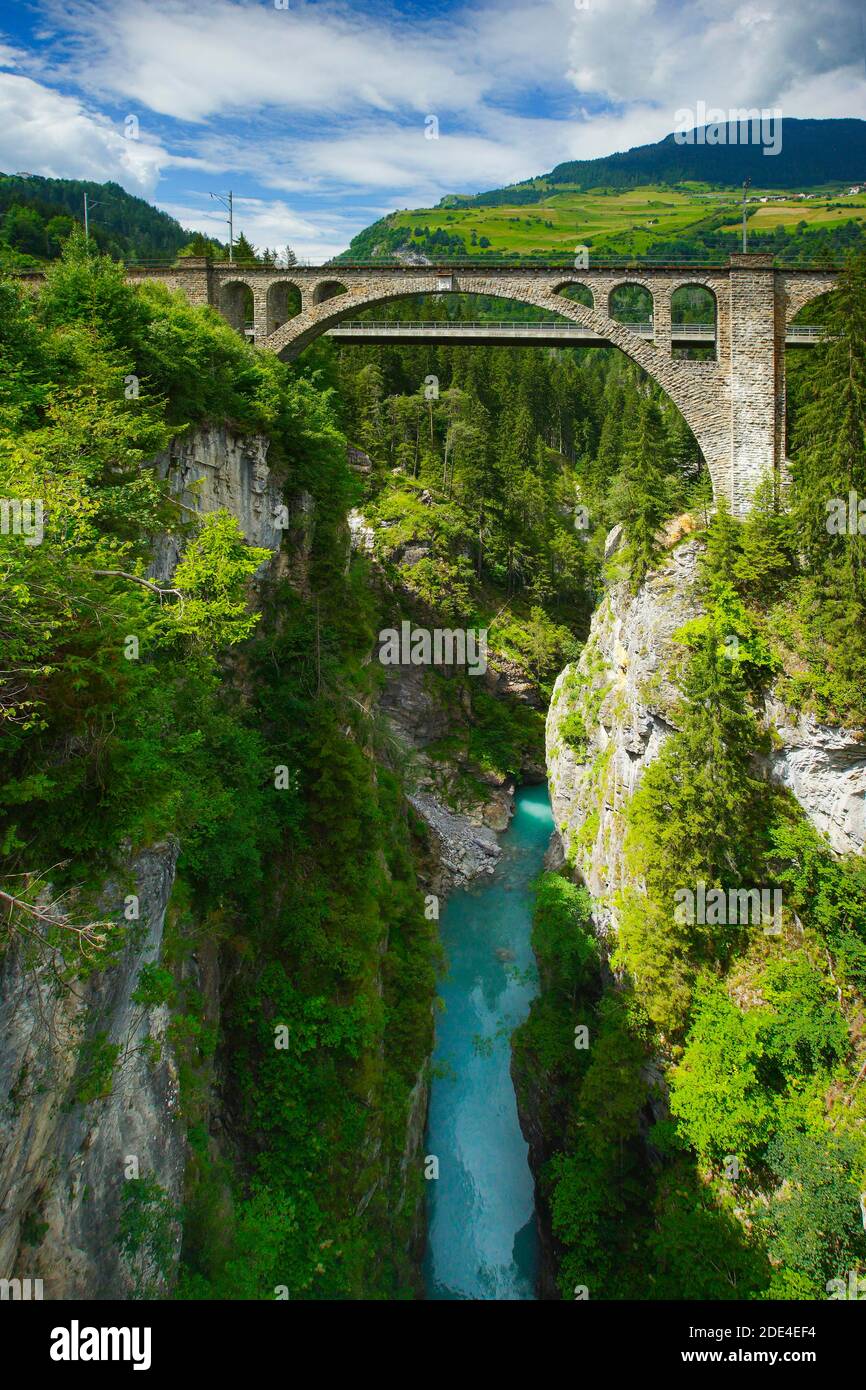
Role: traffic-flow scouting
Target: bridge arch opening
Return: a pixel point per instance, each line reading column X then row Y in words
column 803, row 330
column 694, row 310
column 813, row 313
column 236, row 304
column 283, row 303
column 688, row 394
column 631, row 303
column 409, row 405
column 577, row 292
column 328, row 289
column 449, row 311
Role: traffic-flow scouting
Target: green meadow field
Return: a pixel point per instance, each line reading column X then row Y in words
column 625, row 221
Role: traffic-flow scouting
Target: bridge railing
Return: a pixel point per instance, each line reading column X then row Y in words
column 543, row 327
column 805, row 330
column 487, row 326
column 683, row 330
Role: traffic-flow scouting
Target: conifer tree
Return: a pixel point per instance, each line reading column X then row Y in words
column 830, row 440
column 638, row 497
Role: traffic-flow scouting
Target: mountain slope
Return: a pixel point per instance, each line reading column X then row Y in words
column 657, row 200
column 811, row 153
column 36, row 212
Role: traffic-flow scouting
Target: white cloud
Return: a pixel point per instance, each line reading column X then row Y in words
column 190, row 62
column 10, row 57
column 45, row 132
column 633, row 62
column 272, row 224
column 787, row 53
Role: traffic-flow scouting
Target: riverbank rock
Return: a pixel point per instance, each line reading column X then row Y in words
column 465, row 851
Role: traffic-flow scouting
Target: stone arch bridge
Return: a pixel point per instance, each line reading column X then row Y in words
column 735, row 403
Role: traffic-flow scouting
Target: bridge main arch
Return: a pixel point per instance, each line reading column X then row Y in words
column 699, row 390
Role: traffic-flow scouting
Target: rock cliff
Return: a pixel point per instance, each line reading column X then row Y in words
column 609, row 716
column 65, row 1152
column 612, row 710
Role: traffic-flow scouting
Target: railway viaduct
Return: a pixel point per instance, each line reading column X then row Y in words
column 734, row 403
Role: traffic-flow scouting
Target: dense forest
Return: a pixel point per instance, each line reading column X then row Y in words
column 37, row 215
column 307, row 874
column 811, row 152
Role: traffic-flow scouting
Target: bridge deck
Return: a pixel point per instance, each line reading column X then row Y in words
column 540, row 333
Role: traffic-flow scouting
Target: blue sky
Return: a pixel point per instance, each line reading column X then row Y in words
column 315, row 113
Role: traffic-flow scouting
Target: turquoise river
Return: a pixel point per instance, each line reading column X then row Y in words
column 482, row 1239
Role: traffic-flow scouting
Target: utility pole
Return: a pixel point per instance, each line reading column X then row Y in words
column 227, row 201
column 87, row 207
column 746, row 186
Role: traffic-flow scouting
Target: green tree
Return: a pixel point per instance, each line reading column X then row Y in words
column 814, row 1217
column 638, row 496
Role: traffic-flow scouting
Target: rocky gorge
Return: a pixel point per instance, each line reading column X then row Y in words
column 69, row 1133
column 90, row 1091
column 610, row 714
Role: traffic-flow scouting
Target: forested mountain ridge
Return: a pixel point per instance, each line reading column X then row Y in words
column 37, row 214
column 811, row 153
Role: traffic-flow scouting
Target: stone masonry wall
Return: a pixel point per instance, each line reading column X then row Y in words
column 735, row 405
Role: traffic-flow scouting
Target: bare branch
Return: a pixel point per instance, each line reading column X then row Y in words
column 137, row 579
column 90, row 936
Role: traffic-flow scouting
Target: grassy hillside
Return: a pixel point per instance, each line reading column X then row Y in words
column 649, row 221
column 656, row 200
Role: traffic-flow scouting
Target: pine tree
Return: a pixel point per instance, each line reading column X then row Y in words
column 724, row 544
column 829, row 444
column 767, row 551
column 605, row 466
column 638, row 497
column 244, row 251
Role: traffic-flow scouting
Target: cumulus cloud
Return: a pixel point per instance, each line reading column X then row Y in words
column 786, row 53
column 42, row 131
column 190, row 63
column 619, row 68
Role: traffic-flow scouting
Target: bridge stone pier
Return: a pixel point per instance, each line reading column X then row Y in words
column 735, row 403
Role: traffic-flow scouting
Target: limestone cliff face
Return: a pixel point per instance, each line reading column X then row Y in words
column 825, row 768
column 608, row 717
column 64, row 1159
column 611, row 712
column 216, row 467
